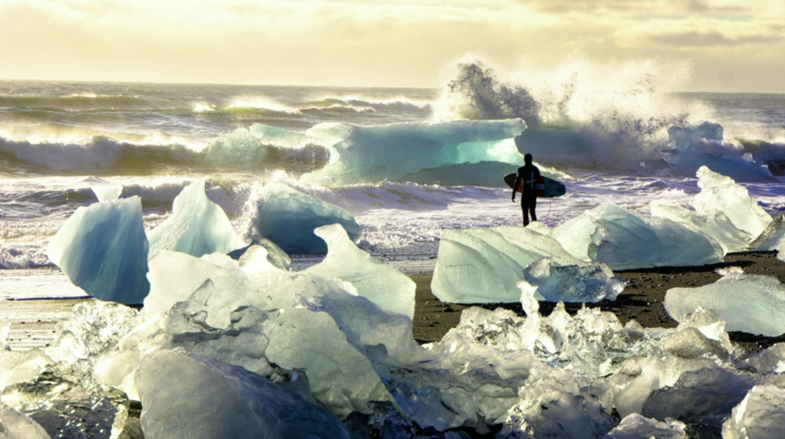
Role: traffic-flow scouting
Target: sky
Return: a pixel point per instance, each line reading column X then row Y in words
column 728, row 45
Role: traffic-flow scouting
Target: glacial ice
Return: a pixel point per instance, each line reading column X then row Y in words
column 238, row 149
column 17, row 425
column 370, row 154
column 288, row 217
column 761, row 415
column 773, row 237
column 721, row 193
column 103, row 249
column 485, row 265
column 107, row 192
column 186, row 396
column 635, row 426
column 749, row 303
column 373, row 279
column 615, row 236
column 197, row 226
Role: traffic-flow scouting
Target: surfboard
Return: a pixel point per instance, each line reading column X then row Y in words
column 546, row 187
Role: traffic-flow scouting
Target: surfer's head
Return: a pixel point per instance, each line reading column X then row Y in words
column 527, row 158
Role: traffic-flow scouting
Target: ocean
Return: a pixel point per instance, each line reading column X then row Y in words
column 57, row 139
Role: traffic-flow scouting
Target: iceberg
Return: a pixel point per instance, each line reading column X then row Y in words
column 715, row 226
column 186, row 396
column 759, row 415
column 749, row 303
column 288, row 217
column 103, row 249
column 387, row 152
column 373, row 279
column 773, row 237
column 197, row 226
column 484, row 265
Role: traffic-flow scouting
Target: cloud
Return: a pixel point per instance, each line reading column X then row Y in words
column 689, row 33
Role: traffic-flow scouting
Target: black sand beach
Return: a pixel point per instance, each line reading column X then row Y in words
column 33, row 321
column 641, row 300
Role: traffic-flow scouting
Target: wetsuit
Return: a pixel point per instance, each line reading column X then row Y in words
column 528, row 175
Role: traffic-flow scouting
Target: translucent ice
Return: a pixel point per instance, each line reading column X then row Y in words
column 107, row 192
column 197, row 226
column 749, row 303
column 773, row 237
column 760, row 415
column 373, row 279
column 635, row 426
column 721, row 193
column 572, row 283
column 17, row 425
column 714, row 225
column 485, row 265
column 103, row 249
column 238, row 149
column 374, row 153
column 185, row 396
column 288, row 217
column 624, row 240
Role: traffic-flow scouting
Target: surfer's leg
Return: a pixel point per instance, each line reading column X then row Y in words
column 533, row 207
column 525, row 209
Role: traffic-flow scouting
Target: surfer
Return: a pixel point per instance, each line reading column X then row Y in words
column 528, row 174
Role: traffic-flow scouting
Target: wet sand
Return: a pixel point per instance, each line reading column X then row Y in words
column 641, row 300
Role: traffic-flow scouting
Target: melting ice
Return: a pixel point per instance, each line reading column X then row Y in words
column 322, row 351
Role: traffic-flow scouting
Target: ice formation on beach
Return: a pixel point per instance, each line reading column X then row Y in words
column 288, row 217
column 17, row 425
column 383, row 285
column 197, row 226
column 484, row 265
column 375, row 153
column 241, row 404
column 760, row 415
column 103, row 249
column 747, row 302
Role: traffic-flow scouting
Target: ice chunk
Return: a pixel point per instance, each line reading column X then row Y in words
column 103, row 249
column 773, row 237
column 555, row 405
column 704, row 397
column 20, row 367
column 238, row 149
column 378, row 333
column 772, row 360
column 623, row 240
column 174, row 277
column 485, row 264
column 17, row 425
column 572, row 283
column 288, row 217
column 107, row 192
column 274, row 255
column 197, row 226
column 714, row 225
column 749, row 303
column 635, row 426
column 375, row 153
column 373, row 279
column 185, row 396
column 720, row 193
column 760, row 415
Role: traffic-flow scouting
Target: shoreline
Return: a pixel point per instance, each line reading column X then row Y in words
column 641, row 300
column 33, row 319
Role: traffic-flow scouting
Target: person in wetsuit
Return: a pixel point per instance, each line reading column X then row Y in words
column 528, row 174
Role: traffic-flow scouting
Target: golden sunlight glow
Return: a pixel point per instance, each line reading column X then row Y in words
column 732, row 45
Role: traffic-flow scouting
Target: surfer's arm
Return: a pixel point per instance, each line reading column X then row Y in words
column 515, row 186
